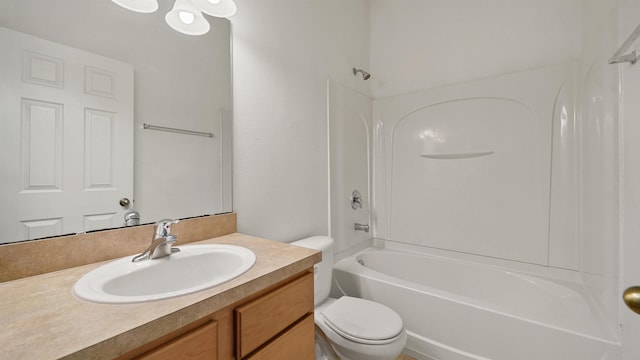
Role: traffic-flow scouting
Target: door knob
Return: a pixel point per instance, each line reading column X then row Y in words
column 631, row 297
column 124, row 202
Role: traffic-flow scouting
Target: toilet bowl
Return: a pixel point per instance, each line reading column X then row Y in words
column 357, row 329
column 360, row 329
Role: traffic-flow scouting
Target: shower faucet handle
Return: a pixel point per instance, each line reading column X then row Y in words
column 356, row 200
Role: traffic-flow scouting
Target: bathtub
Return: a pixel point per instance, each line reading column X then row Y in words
column 459, row 310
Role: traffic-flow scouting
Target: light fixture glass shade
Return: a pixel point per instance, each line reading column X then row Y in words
column 141, row 6
column 221, row 8
column 187, row 19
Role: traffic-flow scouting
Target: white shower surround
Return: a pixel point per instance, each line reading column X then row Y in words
column 489, row 176
column 471, row 167
column 583, row 221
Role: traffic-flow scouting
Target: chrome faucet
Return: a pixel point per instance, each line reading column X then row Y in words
column 161, row 243
column 361, row 227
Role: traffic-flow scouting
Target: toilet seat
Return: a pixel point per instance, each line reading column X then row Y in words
column 363, row 321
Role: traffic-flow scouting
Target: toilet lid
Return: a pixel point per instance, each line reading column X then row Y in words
column 362, row 320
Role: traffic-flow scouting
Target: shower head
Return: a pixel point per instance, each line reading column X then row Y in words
column 365, row 75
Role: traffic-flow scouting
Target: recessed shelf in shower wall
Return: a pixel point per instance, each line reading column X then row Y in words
column 451, row 156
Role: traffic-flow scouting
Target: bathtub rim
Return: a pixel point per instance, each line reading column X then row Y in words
column 533, row 269
column 350, row 264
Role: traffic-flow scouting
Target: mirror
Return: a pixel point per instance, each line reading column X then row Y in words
column 171, row 80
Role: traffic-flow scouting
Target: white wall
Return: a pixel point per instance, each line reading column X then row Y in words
column 284, row 51
column 421, row 44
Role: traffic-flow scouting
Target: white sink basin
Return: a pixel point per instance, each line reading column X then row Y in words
column 194, row 268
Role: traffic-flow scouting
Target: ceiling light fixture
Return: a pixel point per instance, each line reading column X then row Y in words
column 187, row 19
column 186, row 15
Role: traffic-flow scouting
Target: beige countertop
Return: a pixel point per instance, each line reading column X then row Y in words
column 42, row 319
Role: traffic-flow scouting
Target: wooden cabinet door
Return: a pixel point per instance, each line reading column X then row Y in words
column 265, row 317
column 297, row 343
column 198, row 344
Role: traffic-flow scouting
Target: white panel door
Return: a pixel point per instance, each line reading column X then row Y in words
column 66, row 138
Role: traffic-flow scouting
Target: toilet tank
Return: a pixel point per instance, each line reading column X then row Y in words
column 322, row 271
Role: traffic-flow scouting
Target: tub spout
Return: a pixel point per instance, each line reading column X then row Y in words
column 361, row 227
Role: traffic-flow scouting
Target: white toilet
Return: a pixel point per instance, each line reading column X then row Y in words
column 358, row 329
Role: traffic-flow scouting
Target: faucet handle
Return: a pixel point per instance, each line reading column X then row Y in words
column 163, row 227
column 170, row 240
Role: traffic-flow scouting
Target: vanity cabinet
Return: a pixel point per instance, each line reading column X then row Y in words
column 276, row 323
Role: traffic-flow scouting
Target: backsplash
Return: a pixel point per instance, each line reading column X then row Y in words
column 19, row 260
